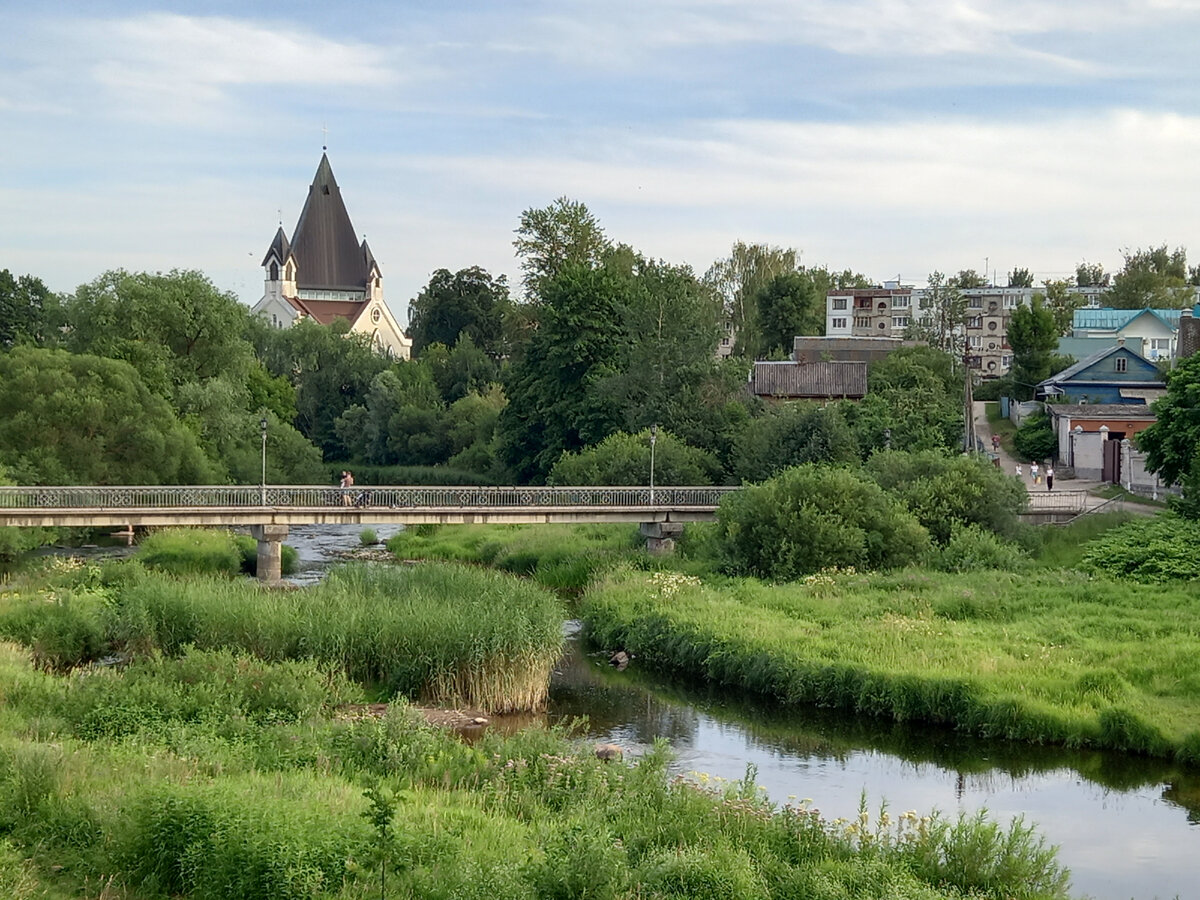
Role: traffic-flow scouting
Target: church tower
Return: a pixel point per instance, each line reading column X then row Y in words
column 325, row 273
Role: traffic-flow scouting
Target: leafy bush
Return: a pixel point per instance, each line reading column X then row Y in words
column 945, row 492
column 624, row 459
column 1035, row 439
column 813, row 517
column 367, row 537
column 971, row 547
column 1147, row 550
column 792, row 435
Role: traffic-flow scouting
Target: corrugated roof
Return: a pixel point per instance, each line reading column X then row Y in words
column 1109, row 319
column 1100, row 410
column 815, row 380
column 328, row 254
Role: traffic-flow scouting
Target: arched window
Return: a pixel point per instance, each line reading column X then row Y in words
column 274, row 270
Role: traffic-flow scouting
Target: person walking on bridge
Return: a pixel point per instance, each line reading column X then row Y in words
column 346, row 483
column 1049, row 478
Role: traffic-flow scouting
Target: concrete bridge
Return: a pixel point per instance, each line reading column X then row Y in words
column 269, row 510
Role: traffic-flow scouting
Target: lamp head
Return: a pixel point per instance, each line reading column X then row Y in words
column 262, row 423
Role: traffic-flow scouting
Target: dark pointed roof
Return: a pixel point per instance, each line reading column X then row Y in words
column 280, row 248
column 328, row 255
column 368, row 257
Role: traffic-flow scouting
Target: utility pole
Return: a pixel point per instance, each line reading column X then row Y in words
column 968, row 406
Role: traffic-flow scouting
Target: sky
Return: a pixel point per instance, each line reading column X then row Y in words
column 891, row 137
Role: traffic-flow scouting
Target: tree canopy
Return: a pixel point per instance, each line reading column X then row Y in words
column 555, row 236
column 1033, row 336
column 1155, row 277
column 1171, row 443
column 72, row 418
column 29, row 313
column 468, row 302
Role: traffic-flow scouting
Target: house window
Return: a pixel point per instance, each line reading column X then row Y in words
column 976, row 342
column 862, row 322
column 902, row 302
column 376, row 315
column 1122, row 362
column 1159, row 348
column 839, row 323
column 992, row 325
column 1011, row 302
column 975, row 303
column 274, row 270
column 900, row 321
column 839, row 303
column 975, row 322
column 1006, row 360
column 724, row 342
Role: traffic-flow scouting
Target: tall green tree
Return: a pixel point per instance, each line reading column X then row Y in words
column 1091, row 275
column 748, row 269
column 788, row 305
column 468, row 302
column 173, row 328
column 1062, row 302
column 330, row 370
column 555, row 391
column 1020, row 278
column 1155, row 277
column 553, row 237
column 940, row 316
column 913, row 402
column 790, row 435
column 1172, row 442
column 29, row 313
column 1033, row 336
column 969, row 278
column 81, row 419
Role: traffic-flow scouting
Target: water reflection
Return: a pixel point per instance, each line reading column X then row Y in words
column 1126, row 826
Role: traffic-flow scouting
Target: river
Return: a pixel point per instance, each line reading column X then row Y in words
column 1127, row 827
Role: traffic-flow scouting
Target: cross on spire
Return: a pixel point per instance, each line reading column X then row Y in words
column 324, row 138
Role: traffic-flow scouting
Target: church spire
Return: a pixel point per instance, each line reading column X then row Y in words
column 325, row 244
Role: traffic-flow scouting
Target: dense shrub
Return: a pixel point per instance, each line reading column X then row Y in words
column 191, row 551
column 792, row 435
column 1035, row 439
column 814, row 517
column 971, row 547
column 1148, row 550
column 945, row 492
column 624, row 459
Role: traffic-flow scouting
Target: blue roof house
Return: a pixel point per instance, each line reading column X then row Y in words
column 1114, row 375
column 1151, row 332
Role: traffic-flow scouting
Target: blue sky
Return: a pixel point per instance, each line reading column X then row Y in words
column 893, row 137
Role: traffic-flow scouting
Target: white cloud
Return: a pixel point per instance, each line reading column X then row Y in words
column 186, row 69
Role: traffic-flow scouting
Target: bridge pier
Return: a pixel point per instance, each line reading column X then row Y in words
column 270, row 552
column 661, row 536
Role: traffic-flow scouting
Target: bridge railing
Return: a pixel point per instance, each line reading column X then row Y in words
column 1057, row 501
column 309, row 496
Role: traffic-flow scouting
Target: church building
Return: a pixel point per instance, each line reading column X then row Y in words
column 325, row 273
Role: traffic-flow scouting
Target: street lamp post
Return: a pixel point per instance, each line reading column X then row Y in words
column 653, row 438
column 262, row 424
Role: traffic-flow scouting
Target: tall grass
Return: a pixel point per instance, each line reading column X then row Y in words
column 202, row 551
column 1049, row 657
column 444, row 634
column 559, row 557
column 222, row 805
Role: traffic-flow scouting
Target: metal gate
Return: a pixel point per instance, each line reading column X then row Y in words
column 1111, row 472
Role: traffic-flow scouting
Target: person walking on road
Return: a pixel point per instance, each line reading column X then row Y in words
column 1049, row 478
column 1019, row 472
column 1033, row 472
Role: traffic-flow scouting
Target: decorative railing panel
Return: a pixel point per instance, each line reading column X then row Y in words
column 1057, row 501
column 310, row 496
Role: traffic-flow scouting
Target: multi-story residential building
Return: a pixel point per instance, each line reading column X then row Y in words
column 890, row 310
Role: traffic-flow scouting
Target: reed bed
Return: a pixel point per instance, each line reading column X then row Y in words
column 206, row 551
column 559, row 557
column 222, row 806
column 1045, row 657
column 444, row 634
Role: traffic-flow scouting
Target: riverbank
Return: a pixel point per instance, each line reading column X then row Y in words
column 1049, row 657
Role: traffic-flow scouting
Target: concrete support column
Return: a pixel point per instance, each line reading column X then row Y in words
column 270, row 554
column 661, row 536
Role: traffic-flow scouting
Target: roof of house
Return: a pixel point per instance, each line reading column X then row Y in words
column 328, row 253
column 1080, row 348
column 1086, row 363
column 817, row 379
column 1109, row 319
column 1100, row 410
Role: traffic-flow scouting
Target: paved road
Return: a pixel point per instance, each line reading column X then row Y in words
column 1008, row 462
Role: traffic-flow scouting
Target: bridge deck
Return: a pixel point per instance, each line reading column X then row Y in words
column 275, row 505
